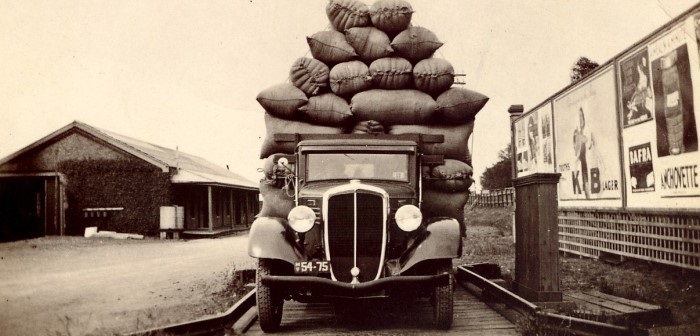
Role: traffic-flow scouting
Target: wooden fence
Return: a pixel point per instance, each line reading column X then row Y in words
column 494, row 198
column 663, row 237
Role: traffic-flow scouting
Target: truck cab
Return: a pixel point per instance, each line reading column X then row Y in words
column 357, row 230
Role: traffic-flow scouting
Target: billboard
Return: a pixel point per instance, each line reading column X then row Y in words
column 627, row 135
column 661, row 156
column 534, row 142
column 587, row 135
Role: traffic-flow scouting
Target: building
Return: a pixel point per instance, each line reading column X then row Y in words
column 81, row 176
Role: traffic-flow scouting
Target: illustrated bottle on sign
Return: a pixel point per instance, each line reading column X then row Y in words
column 673, row 106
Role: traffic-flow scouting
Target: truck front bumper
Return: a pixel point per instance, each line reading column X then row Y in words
column 328, row 287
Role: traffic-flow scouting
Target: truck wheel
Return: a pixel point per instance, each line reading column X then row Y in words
column 269, row 301
column 444, row 298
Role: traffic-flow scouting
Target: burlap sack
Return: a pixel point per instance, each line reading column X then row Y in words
column 452, row 176
column 327, row 109
column 348, row 78
column 368, row 127
column 275, row 174
column 415, row 44
column 391, row 16
column 459, row 105
column 309, row 75
column 391, row 73
column 344, row 14
column 445, row 204
column 433, row 75
column 456, row 137
column 277, row 202
column 274, row 125
column 282, row 100
column 391, row 107
column 369, row 42
column 330, row 47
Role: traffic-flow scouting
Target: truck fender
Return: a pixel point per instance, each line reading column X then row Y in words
column 268, row 239
column 443, row 241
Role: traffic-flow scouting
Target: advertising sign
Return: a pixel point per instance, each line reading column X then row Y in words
column 587, row 151
column 526, row 142
column 662, row 156
column 534, row 142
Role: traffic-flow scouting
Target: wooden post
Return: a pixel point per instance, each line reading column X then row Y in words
column 210, row 211
column 537, row 243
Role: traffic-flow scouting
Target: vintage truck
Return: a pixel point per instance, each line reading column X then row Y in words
column 357, row 230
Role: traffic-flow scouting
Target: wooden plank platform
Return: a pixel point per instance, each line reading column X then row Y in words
column 389, row 317
column 604, row 307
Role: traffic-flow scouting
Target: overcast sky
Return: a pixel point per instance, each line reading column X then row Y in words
column 186, row 73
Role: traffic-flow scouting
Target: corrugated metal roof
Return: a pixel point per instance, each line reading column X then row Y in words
column 190, row 168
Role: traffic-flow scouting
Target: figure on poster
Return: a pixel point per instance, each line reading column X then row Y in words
column 676, row 132
column 583, row 143
column 533, row 140
column 640, row 104
column 673, row 105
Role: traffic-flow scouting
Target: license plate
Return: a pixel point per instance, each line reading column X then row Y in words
column 311, row 267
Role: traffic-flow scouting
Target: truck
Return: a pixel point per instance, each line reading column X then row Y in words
column 357, row 229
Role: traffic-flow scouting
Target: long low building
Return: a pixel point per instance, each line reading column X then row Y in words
column 81, row 176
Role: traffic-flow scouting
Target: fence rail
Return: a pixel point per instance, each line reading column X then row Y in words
column 667, row 238
column 494, row 198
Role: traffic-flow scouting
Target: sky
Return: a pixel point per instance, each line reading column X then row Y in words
column 185, row 74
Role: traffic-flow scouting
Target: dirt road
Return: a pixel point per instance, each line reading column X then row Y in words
column 79, row 286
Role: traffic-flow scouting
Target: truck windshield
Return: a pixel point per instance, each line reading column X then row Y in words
column 372, row 166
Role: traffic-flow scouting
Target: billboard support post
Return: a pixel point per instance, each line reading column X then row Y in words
column 537, row 246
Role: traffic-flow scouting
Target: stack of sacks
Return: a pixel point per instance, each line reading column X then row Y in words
column 375, row 73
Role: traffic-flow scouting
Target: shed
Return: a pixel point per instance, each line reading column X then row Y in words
column 82, row 176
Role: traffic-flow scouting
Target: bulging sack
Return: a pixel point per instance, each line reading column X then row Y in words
column 445, row 204
column 452, row 176
column 348, row 78
column 369, row 42
column 327, row 109
column 277, row 202
column 391, row 16
column 391, row 73
column 459, row 105
column 368, row 127
column 330, row 47
column 390, row 107
column 282, row 100
column 455, row 144
column 344, row 14
column 433, row 75
column 274, row 125
column 309, row 75
column 276, row 174
column 415, row 44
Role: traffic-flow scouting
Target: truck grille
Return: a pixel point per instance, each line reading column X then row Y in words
column 369, row 227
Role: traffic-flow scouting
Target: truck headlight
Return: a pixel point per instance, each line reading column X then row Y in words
column 301, row 218
column 408, row 217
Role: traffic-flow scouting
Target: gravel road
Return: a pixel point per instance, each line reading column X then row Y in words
column 80, row 286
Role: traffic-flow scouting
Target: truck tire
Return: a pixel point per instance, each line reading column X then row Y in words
column 444, row 298
column 270, row 301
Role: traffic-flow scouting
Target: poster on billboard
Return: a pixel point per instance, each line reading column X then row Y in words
column 674, row 111
column 534, row 142
column 546, row 164
column 636, row 93
column 587, row 151
column 661, row 157
column 526, row 142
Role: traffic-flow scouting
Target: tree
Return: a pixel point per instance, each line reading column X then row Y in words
column 499, row 175
column 581, row 68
